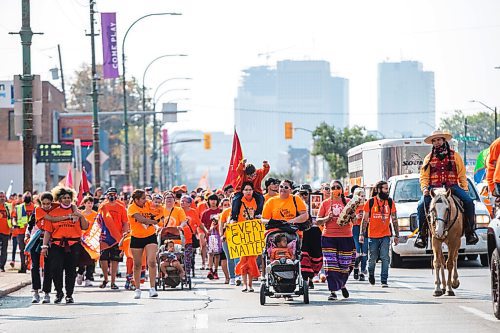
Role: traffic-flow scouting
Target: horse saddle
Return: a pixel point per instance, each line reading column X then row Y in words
column 458, row 203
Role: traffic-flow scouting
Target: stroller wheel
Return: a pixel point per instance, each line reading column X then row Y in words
column 305, row 290
column 262, row 294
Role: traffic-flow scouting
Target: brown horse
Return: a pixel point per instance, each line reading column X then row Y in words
column 445, row 224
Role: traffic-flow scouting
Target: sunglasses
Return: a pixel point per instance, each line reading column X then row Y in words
column 336, row 188
column 285, row 187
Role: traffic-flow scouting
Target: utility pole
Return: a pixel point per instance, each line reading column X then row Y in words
column 62, row 75
column 27, row 95
column 95, row 110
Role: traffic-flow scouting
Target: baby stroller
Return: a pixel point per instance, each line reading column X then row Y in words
column 173, row 279
column 282, row 279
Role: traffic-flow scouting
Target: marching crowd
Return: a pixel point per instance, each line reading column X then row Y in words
column 348, row 233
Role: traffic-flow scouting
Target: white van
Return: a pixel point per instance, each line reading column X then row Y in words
column 405, row 191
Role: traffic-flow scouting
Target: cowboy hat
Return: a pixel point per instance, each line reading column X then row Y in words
column 438, row 134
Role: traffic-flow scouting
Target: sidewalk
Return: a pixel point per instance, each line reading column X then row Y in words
column 11, row 280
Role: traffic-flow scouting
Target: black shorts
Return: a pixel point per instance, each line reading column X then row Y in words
column 223, row 256
column 111, row 254
column 140, row 243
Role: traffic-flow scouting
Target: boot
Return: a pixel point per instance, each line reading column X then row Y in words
column 421, row 241
column 470, row 234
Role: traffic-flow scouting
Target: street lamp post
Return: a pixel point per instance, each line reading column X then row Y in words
column 124, row 85
column 144, row 157
column 491, row 109
column 155, row 132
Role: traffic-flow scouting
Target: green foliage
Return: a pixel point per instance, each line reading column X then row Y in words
column 333, row 145
column 480, row 125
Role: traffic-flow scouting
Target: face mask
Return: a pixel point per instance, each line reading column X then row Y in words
column 178, row 195
column 27, row 199
column 337, row 193
column 65, row 206
column 111, row 198
column 383, row 195
column 193, row 196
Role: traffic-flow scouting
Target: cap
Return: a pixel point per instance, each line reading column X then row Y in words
column 111, row 190
column 184, row 188
column 305, row 188
column 176, row 188
column 149, row 188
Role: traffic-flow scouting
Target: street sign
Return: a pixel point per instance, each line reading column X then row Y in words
column 54, row 153
column 466, row 138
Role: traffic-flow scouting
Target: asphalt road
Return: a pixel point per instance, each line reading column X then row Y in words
column 407, row 306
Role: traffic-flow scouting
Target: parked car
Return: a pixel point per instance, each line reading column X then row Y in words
column 494, row 256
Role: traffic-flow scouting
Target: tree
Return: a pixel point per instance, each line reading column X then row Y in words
column 333, row 145
column 111, row 99
column 480, row 125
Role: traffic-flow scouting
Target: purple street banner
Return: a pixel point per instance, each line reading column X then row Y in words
column 109, row 46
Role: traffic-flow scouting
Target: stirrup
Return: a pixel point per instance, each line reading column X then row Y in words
column 420, row 242
column 471, row 239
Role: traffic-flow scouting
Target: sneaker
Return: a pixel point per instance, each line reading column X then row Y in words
column 420, row 242
column 12, row 263
column 103, row 284
column 333, row 296
column 356, row 273
column 232, row 282
column 69, row 300
column 114, row 286
column 88, row 283
column 216, row 276
column 79, row 279
column 311, row 284
column 2, row 269
column 361, row 277
column 46, row 298
column 153, row 293
column 137, row 294
column 371, row 279
column 210, row 275
column 238, row 281
column 36, row 298
column 345, row 292
column 58, row 299
column 384, row 285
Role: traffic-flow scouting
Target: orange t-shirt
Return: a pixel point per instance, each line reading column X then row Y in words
column 63, row 229
column 282, row 209
column 4, row 226
column 332, row 229
column 40, row 215
column 158, row 212
column 175, row 218
column 379, row 223
column 201, row 208
column 249, row 212
column 138, row 229
column 119, row 214
column 267, row 196
column 358, row 221
column 194, row 222
column 90, row 217
column 281, row 252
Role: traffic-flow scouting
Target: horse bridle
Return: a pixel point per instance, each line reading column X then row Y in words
column 431, row 216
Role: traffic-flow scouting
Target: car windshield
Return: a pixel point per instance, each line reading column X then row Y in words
column 408, row 190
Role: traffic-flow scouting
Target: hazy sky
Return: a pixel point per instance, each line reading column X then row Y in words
column 457, row 39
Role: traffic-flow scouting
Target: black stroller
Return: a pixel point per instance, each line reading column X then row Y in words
column 173, row 279
column 282, row 279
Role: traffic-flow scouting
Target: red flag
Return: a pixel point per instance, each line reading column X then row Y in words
column 236, row 157
column 84, row 187
column 69, row 179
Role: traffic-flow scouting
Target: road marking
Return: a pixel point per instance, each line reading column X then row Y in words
column 202, row 292
column 479, row 313
column 406, row 285
column 201, row 321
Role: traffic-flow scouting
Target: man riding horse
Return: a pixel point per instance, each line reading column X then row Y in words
column 444, row 167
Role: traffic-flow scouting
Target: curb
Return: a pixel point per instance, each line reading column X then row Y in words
column 14, row 288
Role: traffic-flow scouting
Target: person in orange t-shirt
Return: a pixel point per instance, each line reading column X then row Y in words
column 247, row 266
column 65, row 237
column 143, row 239
column 21, row 215
column 86, row 264
column 377, row 220
column 192, row 227
column 339, row 251
column 5, row 216
column 493, row 168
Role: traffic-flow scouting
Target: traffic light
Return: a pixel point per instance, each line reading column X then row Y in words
column 207, row 141
column 288, row 130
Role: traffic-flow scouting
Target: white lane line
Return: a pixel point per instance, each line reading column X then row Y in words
column 201, row 321
column 406, row 285
column 479, row 313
